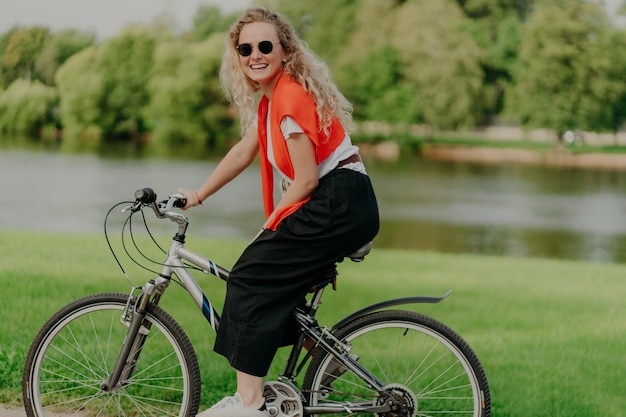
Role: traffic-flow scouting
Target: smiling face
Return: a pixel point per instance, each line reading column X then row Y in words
column 260, row 67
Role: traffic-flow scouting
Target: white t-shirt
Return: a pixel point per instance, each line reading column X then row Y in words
column 289, row 126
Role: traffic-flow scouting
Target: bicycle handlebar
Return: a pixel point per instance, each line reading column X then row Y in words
column 163, row 209
column 148, row 196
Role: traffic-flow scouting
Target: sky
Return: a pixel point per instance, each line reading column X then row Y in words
column 105, row 18
column 108, row 17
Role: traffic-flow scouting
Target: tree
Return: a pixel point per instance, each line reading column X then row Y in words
column 82, row 92
column 619, row 110
column 4, row 42
column 58, row 48
column 186, row 104
column 379, row 90
column 495, row 26
column 209, row 20
column 569, row 77
column 323, row 24
column 439, row 63
column 26, row 107
column 104, row 88
column 22, row 51
column 490, row 12
column 140, row 82
column 125, row 64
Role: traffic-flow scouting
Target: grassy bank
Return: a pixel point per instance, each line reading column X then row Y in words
column 550, row 334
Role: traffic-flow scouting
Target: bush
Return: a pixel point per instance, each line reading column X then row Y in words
column 27, row 106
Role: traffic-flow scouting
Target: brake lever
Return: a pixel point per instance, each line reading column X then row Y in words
column 135, row 207
column 175, row 200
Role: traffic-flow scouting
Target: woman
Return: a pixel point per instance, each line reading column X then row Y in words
column 327, row 210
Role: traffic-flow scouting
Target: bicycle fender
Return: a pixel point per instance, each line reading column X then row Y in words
column 390, row 303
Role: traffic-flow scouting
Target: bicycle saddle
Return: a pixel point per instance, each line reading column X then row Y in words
column 359, row 255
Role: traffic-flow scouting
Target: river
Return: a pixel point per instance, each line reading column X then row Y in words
column 495, row 209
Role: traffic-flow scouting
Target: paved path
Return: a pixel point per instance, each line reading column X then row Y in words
column 18, row 411
column 12, row 411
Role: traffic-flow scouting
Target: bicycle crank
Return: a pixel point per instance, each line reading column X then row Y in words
column 282, row 400
column 402, row 400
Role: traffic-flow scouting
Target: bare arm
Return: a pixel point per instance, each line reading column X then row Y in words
column 305, row 171
column 238, row 158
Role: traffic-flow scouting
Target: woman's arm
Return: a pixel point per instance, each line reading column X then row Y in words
column 238, row 158
column 306, row 178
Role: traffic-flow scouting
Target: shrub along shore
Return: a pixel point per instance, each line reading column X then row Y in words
column 602, row 152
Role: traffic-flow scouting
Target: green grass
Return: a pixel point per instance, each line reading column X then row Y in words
column 550, row 334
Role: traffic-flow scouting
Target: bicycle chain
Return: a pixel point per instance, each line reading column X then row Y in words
column 355, row 394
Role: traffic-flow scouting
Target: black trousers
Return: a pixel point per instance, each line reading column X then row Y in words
column 277, row 269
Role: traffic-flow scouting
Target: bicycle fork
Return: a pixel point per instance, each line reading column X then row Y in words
column 133, row 317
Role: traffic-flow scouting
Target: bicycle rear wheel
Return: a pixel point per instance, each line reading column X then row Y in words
column 76, row 349
column 424, row 364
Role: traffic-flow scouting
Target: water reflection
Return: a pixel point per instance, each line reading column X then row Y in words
column 512, row 210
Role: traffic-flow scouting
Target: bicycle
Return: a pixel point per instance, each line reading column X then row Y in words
column 122, row 354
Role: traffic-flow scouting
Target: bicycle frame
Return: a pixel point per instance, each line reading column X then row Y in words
column 155, row 288
column 173, row 265
column 107, row 353
column 323, row 337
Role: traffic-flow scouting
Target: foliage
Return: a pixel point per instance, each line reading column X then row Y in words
column 22, row 50
column 5, row 38
column 208, row 20
column 448, row 64
column 104, row 88
column 81, row 89
column 57, row 49
column 125, row 63
column 568, row 75
column 324, row 24
column 26, row 107
column 429, row 56
column 379, row 92
column 186, row 104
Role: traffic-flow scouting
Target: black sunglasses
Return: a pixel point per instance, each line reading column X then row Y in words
column 265, row 47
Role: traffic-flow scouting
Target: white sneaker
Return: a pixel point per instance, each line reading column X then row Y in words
column 233, row 407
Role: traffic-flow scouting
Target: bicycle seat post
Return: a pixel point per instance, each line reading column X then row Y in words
column 307, row 315
column 315, row 301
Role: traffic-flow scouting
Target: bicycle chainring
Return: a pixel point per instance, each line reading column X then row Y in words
column 404, row 401
column 282, row 400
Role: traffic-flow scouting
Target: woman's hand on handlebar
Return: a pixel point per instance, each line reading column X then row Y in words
column 193, row 199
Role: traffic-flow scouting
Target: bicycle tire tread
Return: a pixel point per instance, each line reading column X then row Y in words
column 119, row 299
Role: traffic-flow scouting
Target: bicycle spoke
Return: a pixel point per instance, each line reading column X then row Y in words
column 423, row 372
column 70, row 361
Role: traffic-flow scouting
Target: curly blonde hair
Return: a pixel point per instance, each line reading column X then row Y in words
column 300, row 63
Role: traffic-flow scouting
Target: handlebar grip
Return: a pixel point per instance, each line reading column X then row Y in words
column 180, row 202
column 146, row 195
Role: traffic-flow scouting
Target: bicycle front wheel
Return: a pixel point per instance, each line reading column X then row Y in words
column 76, row 349
column 425, row 366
